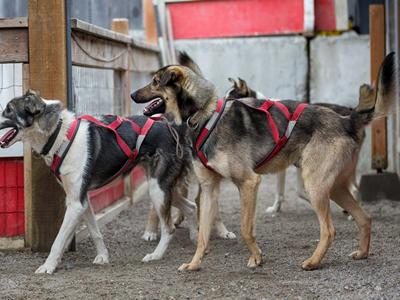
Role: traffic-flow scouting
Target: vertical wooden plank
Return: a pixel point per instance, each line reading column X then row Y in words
column 150, row 24
column 48, row 74
column 122, row 86
column 27, row 170
column 120, row 25
column 379, row 149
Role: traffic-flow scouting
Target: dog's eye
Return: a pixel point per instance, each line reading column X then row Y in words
column 155, row 81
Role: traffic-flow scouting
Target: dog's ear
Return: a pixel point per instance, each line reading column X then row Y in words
column 233, row 81
column 242, row 83
column 33, row 103
column 32, row 92
column 170, row 76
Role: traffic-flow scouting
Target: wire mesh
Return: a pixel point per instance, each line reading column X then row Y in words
column 94, row 91
column 10, row 87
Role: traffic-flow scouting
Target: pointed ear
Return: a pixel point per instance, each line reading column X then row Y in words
column 235, row 85
column 32, row 92
column 170, row 76
column 33, row 103
column 242, row 83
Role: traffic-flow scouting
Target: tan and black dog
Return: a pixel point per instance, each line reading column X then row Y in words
column 240, row 89
column 323, row 144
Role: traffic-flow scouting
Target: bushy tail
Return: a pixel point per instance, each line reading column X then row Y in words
column 377, row 102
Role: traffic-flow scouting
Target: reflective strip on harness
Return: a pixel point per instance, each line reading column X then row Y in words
column 264, row 107
column 63, row 150
column 146, row 127
column 205, row 132
column 113, row 126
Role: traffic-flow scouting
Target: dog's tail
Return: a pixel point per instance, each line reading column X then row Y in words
column 185, row 60
column 377, row 102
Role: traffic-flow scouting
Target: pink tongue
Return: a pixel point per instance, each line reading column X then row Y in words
column 7, row 136
column 153, row 104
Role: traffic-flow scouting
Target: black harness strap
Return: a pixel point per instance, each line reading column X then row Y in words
column 52, row 139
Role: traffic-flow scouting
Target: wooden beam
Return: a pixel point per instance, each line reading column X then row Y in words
column 20, row 22
column 48, row 74
column 122, row 94
column 122, row 88
column 90, row 29
column 92, row 51
column 379, row 150
column 13, row 45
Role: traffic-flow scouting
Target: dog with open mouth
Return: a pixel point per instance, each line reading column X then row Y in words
column 86, row 153
column 242, row 139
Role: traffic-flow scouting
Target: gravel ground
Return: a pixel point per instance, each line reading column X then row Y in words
column 286, row 241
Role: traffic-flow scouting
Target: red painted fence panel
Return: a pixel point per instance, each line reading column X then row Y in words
column 325, row 19
column 11, row 197
column 229, row 18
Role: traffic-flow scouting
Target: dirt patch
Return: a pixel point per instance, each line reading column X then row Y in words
column 286, row 241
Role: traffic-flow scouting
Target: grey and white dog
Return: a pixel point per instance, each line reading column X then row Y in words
column 93, row 158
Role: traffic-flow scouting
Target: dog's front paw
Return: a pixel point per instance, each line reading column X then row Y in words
column 149, row 236
column 151, row 257
column 309, row 264
column 189, row 267
column 359, row 254
column 101, row 259
column 46, row 269
column 272, row 211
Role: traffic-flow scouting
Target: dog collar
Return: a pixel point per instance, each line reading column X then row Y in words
column 52, row 139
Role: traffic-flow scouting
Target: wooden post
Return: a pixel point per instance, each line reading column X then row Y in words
column 122, row 88
column 120, row 26
column 48, row 74
column 379, row 149
column 150, row 24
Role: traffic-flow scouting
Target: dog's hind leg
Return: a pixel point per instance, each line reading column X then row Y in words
column 188, row 209
column 301, row 190
column 209, row 182
column 162, row 205
column 318, row 186
column 102, row 256
column 343, row 197
column 280, row 195
column 150, row 232
column 248, row 196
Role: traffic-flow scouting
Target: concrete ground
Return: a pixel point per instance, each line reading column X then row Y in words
column 286, row 241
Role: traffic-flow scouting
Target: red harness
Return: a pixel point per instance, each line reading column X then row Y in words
column 61, row 153
column 280, row 141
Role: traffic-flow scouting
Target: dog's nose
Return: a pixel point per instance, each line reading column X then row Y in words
column 133, row 96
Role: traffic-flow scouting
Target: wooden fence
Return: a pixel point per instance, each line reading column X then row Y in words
column 41, row 45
